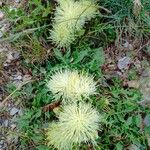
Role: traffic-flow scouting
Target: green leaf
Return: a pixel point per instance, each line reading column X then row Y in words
column 129, row 121
column 147, row 130
column 138, row 120
column 59, row 55
column 119, row 146
column 80, row 56
column 42, row 147
column 38, row 113
column 37, row 138
column 98, row 59
column 99, row 56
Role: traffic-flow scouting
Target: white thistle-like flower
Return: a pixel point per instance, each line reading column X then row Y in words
column 71, row 86
column 71, row 16
column 62, row 33
column 137, row 7
column 77, row 124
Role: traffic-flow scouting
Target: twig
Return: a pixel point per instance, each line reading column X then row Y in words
column 141, row 48
column 105, row 9
column 50, row 106
column 17, row 35
column 18, row 88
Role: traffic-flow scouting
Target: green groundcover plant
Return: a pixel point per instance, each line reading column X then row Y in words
column 90, row 109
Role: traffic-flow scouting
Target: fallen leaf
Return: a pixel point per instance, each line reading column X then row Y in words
column 133, row 84
column 50, row 106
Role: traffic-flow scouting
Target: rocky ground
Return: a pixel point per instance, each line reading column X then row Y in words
column 10, row 72
column 10, row 109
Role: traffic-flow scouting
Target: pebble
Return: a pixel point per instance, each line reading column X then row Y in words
column 1, row 142
column 1, row 15
column 1, row 34
column 16, row 55
column 127, row 45
column 20, row 112
column 147, row 120
column 5, row 64
column 13, row 111
column 6, row 123
column 123, row 63
column 17, row 1
column 27, row 77
column 13, row 126
column 9, row 57
column 18, row 77
column 1, row 3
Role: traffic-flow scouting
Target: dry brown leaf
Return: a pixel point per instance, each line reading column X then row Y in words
column 50, row 106
column 133, row 84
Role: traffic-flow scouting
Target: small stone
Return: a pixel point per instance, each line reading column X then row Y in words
column 18, row 77
column 16, row 55
column 5, row 64
column 123, row 63
column 6, row 122
column 13, row 126
column 1, row 3
column 27, row 77
column 128, row 45
column 1, row 142
column 20, row 112
column 133, row 84
column 13, row 111
column 147, row 120
column 9, row 57
column 1, row 34
column 119, row 73
column 133, row 147
column 17, row 1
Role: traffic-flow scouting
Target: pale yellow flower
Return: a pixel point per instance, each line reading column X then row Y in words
column 77, row 124
column 71, row 86
column 71, row 16
column 62, row 33
column 137, row 7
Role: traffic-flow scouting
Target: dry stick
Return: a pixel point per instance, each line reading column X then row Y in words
column 50, row 106
column 17, row 35
column 18, row 88
column 141, row 48
column 105, row 9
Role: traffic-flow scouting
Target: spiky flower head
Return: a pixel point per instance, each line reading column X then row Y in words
column 77, row 124
column 63, row 34
column 137, row 7
column 70, row 17
column 71, row 86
